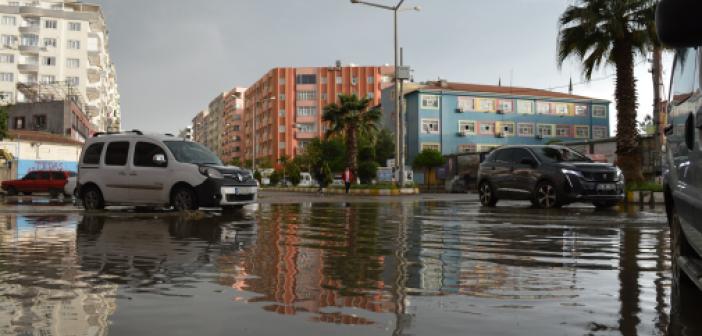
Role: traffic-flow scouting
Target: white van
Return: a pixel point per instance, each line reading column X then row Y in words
column 131, row 168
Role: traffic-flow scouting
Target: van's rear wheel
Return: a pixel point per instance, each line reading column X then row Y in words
column 183, row 199
column 92, row 198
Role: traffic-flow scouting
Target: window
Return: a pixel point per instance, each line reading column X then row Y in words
column 485, row 105
column 370, row 95
column 6, row 97
column 144, row 153
column 466, row 127
column 431, row 146
column 48, row 79
column 13, row 3
column 74, row 81
column 281, row 129
column 58, row 176
column 8, row 40
column 9, row 21
column 281, row 81
column 7, row 58
column 92, row 154
column 30, row 40
column 467, row 148
column 525, row 107
column 281, row 145
column 507, row 129
column 599, row 132
column 506, row 106
column 116, row 153
column 563, row 131
column 51, row 24
column 339, row 80
column 19, row 123
column 323, row 80
column 73, row 44
column 370, row 79
column 306, row 79
column 581, row 110
column 546, row 130
column 465, row 104
column 386, row 79
column 306, row 111
column 306, row 128
column 74, row 26
column 430, row 102
column 430, row 126
column 39, row 122
column 281, row 113
column 7, row 77
column 562, row 109
column 48, row 61
column 281, row 97
column 582, row 132
column 72, row 63
column 487, row 128
column 543, row 108
column 306, row 95
column 599, row 111
column 354, row 80
column 50, row 42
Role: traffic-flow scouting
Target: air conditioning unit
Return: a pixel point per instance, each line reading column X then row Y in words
column 499, row 135
column 462, row 133
column 460, row 110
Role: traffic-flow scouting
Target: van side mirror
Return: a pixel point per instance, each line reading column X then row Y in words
column 159, row 160
column 678, row 23
column 528, row 162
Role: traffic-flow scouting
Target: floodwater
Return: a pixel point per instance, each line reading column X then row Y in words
column 344, row 269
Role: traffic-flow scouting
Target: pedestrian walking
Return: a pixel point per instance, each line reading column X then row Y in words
column 319, row 176
column 347, row 179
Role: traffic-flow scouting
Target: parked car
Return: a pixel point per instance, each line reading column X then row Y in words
column 40, row 181
column 306, row 180
column 548, row 176
column 679, row 27
column 159, row 170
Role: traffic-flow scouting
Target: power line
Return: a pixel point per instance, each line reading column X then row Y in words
column 592, row 80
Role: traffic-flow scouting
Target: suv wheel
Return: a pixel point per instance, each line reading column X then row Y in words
column 546, row 196
column 183, row 199
column 92, row 198
column 487, row 194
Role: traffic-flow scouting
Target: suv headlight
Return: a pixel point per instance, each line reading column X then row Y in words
column 211, row 172
column 571, row 172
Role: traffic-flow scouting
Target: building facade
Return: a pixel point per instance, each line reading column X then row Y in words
column 62, row 117
column 233, row 120
column 458, row 118
column 219, row 126
column 59, row 41
column 288, row 104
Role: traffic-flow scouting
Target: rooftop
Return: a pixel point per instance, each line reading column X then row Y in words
column 506, row 90
column 36, row 136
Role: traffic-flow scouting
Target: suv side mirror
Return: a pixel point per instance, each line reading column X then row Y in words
column 528, row 162
column 159, row 160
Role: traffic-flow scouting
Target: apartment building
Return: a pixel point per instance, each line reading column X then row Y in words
column 233, row 119
column 219, row 126
column 61, row 117
column 288, row 104
column 199, row 127
column 458, row 118
column 59, row 41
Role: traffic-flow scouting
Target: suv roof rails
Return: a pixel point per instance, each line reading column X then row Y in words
column 169, row 134
column 135, row 131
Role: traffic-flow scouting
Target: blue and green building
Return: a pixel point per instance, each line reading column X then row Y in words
column 460, row 118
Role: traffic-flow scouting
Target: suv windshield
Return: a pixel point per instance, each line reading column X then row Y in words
column 560, row 154
column 192, row 152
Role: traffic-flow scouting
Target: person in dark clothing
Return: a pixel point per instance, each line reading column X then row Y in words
column 319, row 176
column 347, row 179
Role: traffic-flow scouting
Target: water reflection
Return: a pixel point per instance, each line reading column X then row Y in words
column 394, row 268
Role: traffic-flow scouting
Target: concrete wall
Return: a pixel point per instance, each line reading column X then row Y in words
column 31, row 156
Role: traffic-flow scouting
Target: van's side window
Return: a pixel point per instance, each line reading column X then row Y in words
column 92, row 154
column 144, row 154
column 116, row 154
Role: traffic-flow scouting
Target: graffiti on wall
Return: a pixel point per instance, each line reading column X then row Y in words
column 26, row 166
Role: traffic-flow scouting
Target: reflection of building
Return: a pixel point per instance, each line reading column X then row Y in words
column 57, row 302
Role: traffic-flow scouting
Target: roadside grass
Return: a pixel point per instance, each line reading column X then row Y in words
column 644, row 186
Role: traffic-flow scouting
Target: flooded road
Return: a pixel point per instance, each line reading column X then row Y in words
column 410, row 268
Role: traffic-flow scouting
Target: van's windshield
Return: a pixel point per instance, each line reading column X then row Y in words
column 192, row 152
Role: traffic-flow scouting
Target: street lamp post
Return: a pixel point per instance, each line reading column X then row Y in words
column 399, row 136
column 253, row 132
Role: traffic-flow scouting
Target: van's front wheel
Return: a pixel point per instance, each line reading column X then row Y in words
column 183, row 199
column 92, row 199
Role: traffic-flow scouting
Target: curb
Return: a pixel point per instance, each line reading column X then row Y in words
column 354, row 192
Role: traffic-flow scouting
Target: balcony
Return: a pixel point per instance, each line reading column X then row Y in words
column 92, row 93
column 30, row 49
column 28, row 67
column 306, row 119
column 306, row 135
column 33, row 29
column 31, row 11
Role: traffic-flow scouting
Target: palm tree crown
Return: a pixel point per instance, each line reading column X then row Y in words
column 350, row 118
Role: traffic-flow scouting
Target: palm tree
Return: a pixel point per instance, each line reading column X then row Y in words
column 352, row 118
column 611, row 32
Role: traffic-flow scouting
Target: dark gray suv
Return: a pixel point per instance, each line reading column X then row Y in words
column 548, row 176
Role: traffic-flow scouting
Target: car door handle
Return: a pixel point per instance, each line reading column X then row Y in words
column 132, row 174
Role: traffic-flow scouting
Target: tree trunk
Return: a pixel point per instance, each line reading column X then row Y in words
column 657, row 73
column 628, row 151
column 352, row 150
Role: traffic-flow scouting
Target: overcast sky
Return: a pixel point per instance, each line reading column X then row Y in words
column 173, row 57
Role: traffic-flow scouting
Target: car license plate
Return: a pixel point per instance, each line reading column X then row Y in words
column 606, row 187
column 238, row 190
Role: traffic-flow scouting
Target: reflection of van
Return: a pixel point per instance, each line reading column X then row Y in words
column 679, row 27
column 306, row 180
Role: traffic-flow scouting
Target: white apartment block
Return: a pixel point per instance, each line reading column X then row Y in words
column 59, row 41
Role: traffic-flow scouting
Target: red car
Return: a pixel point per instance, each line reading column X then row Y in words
column 38, row 181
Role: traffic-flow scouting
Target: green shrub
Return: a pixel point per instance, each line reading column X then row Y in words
column 257, row 175
column 367, row 171
column 275, row 178
column 292, row 172
column 644, row 186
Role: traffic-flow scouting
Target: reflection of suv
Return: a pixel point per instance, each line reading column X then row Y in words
column 136, row 169
column 680, row 27
column 548, row 176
